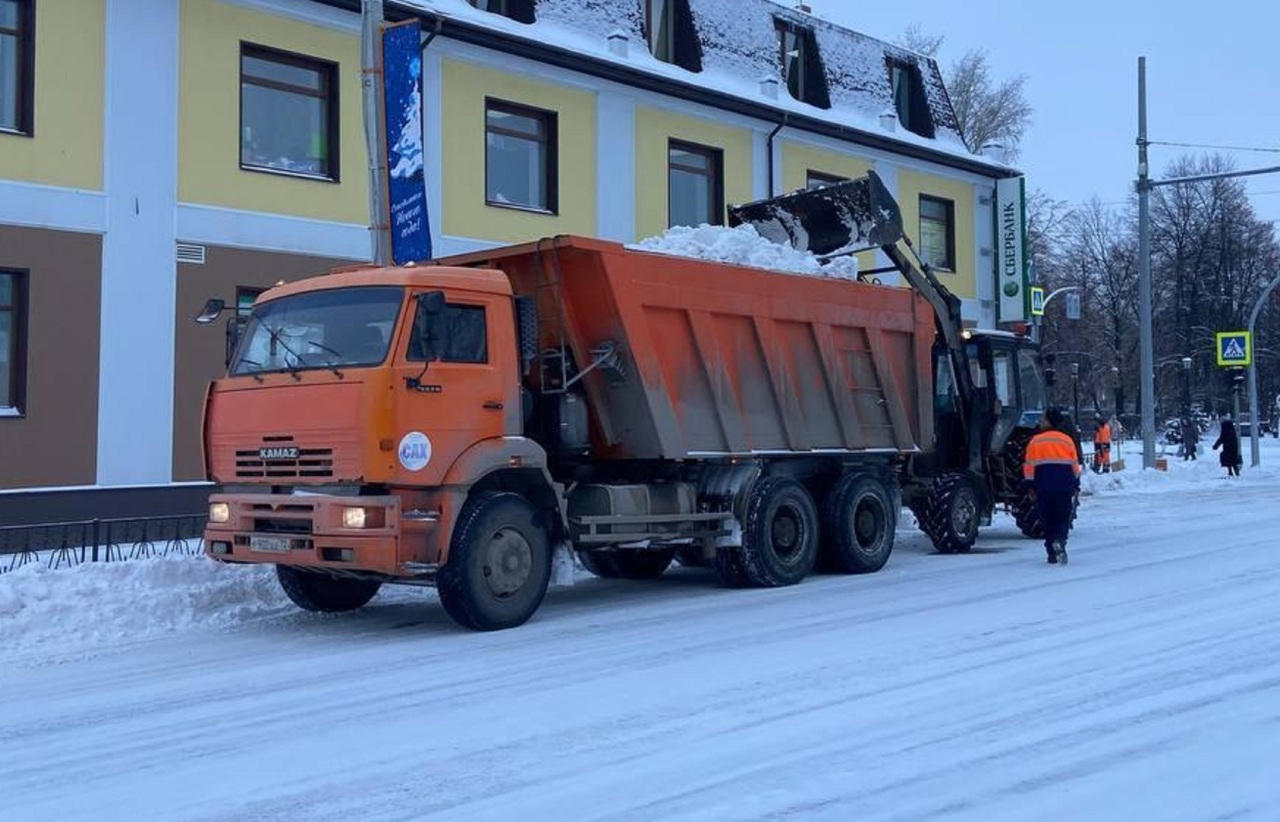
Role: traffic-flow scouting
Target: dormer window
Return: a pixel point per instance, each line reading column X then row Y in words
column 801, row 67
column 909, row 99
column 519, row 10
column 668, row 28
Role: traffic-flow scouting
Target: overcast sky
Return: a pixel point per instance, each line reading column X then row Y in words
column 1213, row 77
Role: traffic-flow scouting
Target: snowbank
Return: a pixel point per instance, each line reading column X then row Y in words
column 743, row 245
column 97, row 603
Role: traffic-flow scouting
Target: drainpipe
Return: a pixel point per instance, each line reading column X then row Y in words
column 439, row 25
column 769, row 149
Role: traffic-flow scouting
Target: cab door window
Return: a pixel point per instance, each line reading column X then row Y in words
column 458, row 334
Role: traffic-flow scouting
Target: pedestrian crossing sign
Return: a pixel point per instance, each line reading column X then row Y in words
column 1235, row 348
column 1037, row 301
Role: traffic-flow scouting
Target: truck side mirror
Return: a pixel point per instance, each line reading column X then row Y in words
column 212, row 310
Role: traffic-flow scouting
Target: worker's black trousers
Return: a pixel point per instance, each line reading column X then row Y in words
column 1055, row 515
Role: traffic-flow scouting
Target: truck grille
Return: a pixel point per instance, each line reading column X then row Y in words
column 310, row 462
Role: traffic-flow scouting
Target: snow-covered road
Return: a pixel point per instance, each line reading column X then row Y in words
column 1141, row 682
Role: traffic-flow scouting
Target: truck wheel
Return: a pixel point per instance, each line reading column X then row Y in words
column 691, row 556
column 643, row 563
column 951, row 514
column 318, row 591
column 858, row 526
column 600, row 563
column 780, row 536
column 499, row 563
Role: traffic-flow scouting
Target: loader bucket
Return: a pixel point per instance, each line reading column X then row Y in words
column 838, row 219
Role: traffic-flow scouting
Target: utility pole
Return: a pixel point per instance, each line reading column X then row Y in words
column 371, row 18
column 1254, row 422
column 1146, row 355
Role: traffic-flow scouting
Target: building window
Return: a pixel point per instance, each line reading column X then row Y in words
column 459, row 334
column 13, row 341
column 938, row 232
column 519, row 10
column 17, row 65
column 668, row 27
column 695, row 185
column 801, row 68
column 520, row 156
column 818, row 179
column 288, row 113
column 660, row 26
column 909, row 99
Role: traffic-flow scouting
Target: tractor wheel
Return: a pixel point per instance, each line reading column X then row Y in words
column 951, row 514
column 499, row 563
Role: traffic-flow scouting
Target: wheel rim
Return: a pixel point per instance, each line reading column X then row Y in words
column 508, row 562
column 786, row 532
column 868, row 523
column 964, row 513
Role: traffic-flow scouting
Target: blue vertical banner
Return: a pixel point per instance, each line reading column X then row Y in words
column 402, row 95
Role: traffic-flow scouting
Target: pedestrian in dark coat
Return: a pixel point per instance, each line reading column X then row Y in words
column 1190, row 438
column 1230, row 443
column 1052, row 468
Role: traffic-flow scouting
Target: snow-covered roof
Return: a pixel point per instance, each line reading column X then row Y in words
column 739, row 48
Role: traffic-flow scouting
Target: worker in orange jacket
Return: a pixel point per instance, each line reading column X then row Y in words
column 1052, row 468
column 1101, row 446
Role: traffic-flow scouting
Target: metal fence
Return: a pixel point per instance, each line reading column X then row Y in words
column 100, row 540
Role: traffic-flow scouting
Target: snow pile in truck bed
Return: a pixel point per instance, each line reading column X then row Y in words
column 743, row 245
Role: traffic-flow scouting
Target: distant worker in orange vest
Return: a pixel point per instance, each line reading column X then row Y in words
column 1052, row 468
column 1101, row 446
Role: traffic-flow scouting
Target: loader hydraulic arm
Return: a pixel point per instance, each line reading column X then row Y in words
column 848, row 217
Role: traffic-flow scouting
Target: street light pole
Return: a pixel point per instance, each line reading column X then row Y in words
column 1075, row 390
column 1146, row 351
column 1254, row 455
column 1186, row 387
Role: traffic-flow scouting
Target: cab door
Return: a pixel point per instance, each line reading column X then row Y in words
column 455, row 381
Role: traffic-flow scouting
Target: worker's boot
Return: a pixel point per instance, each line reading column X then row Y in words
column 1059, row 552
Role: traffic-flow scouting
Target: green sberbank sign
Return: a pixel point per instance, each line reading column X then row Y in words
column 1011, row 249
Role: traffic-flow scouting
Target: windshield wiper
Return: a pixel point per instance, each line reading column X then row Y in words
column 332, row 351
column 277, row 337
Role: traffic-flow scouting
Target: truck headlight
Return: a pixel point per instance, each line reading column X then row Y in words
column 219, row 512
column 353, row 517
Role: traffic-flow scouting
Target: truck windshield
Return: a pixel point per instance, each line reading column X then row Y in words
column 320, row 329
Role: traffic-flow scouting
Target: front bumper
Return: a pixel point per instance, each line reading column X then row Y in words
column 307, row 530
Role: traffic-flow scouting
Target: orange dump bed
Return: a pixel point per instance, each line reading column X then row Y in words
column 720, row 359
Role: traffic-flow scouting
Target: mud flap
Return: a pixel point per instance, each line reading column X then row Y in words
column 838, row 219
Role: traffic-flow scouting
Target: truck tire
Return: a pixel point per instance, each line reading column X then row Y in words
column 629, row 563
column 499, row 563
column 951, row 514
column 599, row 563
column 858, row 524
column 780, row 535
column 690, row 556
column 318, row 591
column 643, row 563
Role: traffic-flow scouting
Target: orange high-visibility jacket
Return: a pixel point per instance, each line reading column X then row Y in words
column 1052, row 462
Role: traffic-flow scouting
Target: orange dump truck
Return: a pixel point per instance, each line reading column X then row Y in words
column 451, row 424
column 454, row 423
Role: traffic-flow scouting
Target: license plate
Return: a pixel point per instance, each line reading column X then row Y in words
column 272, row 545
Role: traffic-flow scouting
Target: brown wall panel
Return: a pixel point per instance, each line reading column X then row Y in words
column 55, row 442
column 199, row 357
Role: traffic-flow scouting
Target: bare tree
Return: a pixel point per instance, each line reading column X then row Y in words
column 986, row 110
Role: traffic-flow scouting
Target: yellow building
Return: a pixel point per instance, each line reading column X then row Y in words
column 181, row 149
